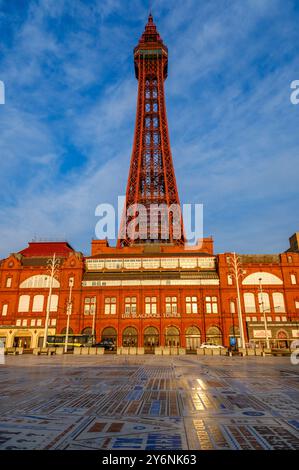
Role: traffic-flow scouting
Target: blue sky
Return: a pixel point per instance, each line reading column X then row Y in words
column 66, row 130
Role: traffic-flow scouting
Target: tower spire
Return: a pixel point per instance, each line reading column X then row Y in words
column 151, row 183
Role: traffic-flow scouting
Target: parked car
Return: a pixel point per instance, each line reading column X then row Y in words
column 107, row 344
column 211, row 345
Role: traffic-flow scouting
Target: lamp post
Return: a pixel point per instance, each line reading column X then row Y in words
column 264, row 313
column 68, row 313
column 53, row 266
column 238, row 272
column 93, row 322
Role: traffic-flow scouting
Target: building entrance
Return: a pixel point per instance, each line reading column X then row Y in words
column 22, row 342
column 150, row 340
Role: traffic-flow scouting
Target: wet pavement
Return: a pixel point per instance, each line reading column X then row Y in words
column 148, row 402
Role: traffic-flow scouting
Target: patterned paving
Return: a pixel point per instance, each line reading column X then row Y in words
column 148, row 402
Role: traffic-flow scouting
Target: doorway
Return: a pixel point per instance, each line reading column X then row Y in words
column 151, row 340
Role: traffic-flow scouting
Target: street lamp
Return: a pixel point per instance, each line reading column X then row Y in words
column 68, row 313
column 264, row 313
column 53, row 266
column 93, row 306
column 238, row 272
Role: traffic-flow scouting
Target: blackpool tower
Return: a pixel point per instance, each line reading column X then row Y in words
column 151, row 181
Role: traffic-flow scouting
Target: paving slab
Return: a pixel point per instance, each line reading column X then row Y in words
column 148, row 402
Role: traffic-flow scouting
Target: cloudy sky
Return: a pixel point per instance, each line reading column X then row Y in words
column 66, row 129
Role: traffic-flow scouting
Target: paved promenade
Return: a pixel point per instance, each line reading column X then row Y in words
column 148, row 402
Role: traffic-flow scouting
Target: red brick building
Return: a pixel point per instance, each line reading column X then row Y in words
column 151, row 293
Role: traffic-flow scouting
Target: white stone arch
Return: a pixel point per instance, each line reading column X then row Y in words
column 253, row 279
column 39, row 281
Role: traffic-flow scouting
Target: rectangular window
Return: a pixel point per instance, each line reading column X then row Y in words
column 229, row 280
column 89, row 305
column 191, row 305
column 24, row 303
column 211, row 305
column 150, row 305
column 32, row 322
column 53, row 322
column 293, row 279
column 277, row 318
column 232, row 307
column 4, row 310
column 264, row 301
column 131, row 306
column 18, row 322
column 254, row 319
column 110, row 305
column 296, row 304
column 38, row 303
column 249, row 302
column 8, row 282
column 283, row 318
column 24, row 323
column 171, row 306
column 268, row 319
column 39, row 322
column 54, row 303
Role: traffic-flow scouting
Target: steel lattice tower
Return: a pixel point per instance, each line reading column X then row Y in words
column 151, row 179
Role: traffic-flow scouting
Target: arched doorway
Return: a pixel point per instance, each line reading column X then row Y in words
column 234, row 337
column 214, row 335
column 192, row 338
column 150, row 339
column 109, row 334
column 130, row 337
column 282, row 339
column 172, row 336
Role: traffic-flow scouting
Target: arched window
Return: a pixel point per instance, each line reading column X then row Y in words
column 24, row 302
column 63, row 331
column 38, row 303
column 172, row 336
column 214, row 335
column 39, row 281
column 266, row 278
column 249, row 302
column 87, row 331
column 130, row 336
column 232, row 306
column 278, row 302
column 192, row 337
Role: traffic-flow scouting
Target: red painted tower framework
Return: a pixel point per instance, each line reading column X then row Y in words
column 151, row 179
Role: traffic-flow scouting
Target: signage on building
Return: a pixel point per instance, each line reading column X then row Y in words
column 261, row 334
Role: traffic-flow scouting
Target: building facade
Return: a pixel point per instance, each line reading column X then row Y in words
column 151, row 291
column 149, row 295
